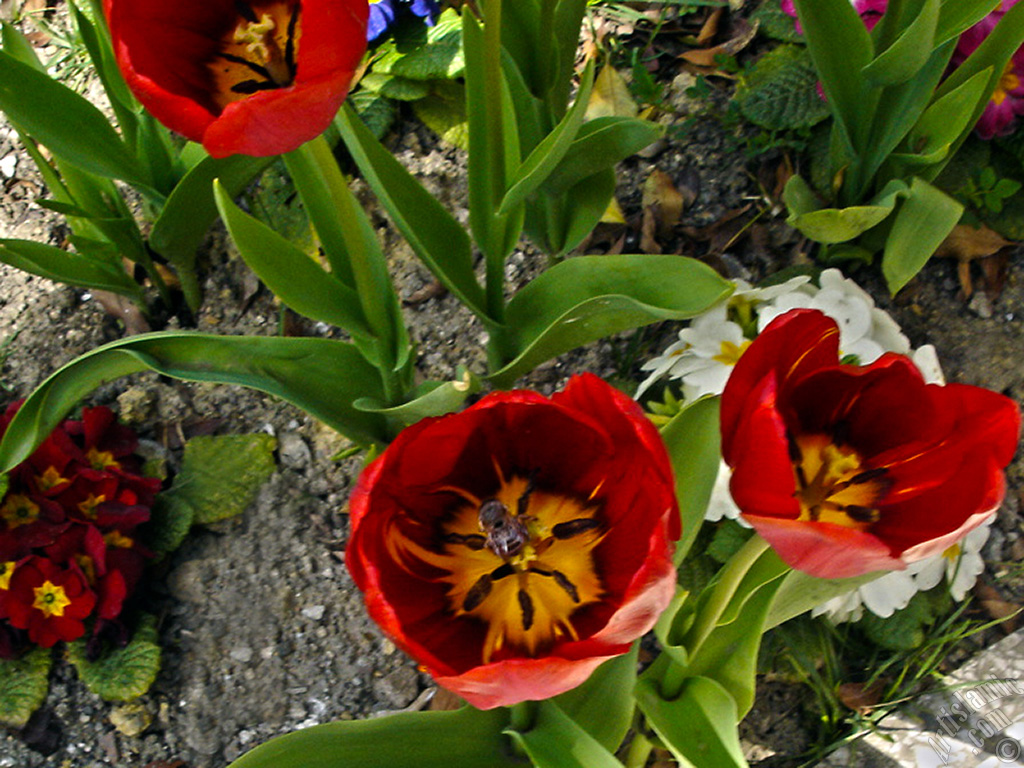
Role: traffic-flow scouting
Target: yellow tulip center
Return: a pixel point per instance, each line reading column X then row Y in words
column 259, row 53
column 51, row 599
column 833, row 486
column 18, row 510
column 521, row 562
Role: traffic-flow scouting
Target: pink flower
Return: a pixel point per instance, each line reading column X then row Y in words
column 870, row 11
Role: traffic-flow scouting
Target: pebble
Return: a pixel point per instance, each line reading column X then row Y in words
column 314, row 612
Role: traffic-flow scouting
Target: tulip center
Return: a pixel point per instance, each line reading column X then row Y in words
column 51, row 599
column 833, row 486
column 257, row 54
column 1007, row 83
column 521, row 562
column 19, row 510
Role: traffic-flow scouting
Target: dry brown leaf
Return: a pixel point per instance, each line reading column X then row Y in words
column 710, row 28
column 124, row 310
column 611, row 96
column 663, row 200
column 444, row 700
column 705, row 57
column 996, row 607
column 966, row 244
column 861, row 698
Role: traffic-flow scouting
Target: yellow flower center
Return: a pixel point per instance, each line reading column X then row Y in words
column 50, row 478
column 521, row 562
column 88, row 507
column 117, row 539
column 731, row 353
column 19, row 510
column 100, row 460
column 832, row 484
column 6, row 571
column 51, row 599
column 258, row 54
column 1008, row 82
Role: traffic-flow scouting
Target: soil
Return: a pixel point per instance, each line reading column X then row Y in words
column 262, row 629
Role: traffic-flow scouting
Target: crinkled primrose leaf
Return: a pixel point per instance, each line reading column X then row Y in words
column 125, row 673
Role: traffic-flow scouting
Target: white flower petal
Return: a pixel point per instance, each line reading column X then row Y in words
column 887, row 332
column 927, row 361
column 889, row 593
column 851, row 313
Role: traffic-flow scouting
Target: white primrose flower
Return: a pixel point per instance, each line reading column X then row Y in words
column 707, row 350
column 960, row 564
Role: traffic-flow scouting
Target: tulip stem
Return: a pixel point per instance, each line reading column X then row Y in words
column 521, row 716
column 722, row 593
column 639, row 750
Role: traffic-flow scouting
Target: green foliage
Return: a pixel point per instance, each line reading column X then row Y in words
column 121, row 674
column 907, row 629
column 220, row 476
column 729, row 537
column 23, row 686
column 778, row 92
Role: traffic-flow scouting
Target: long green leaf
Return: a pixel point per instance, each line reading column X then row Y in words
column 947, row 118
column 66, row 123
column 800, row 592
column 924, row 220
column 290, row 273
column 601, row 143
column 554, row 740
column 699, row 726
column 958, row 15
column 908, row 54
column 693, row 441
column 841, row 47
column 432, row 398
column 72, row 268
column 549, row 153
column 321, row 376
column 434, row 234
column 467, row 738
column 603, row 706
column 589, row 297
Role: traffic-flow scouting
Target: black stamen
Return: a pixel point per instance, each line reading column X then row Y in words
column 247, row 87
column 259, row 70
column 526, row 606
column 244, row 10
column 477, row 593
column 575, row 527
column 841, row 433
column 801, row 475
column 524, row 500
column 862, row 514
column 472, row 540
column 563, row 581
column 502, row 571
column 289, row 48
column 868, row 475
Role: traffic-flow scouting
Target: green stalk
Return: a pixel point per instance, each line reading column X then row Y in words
column 639, row 750
column 350, row 245
column 722, row 593
column 495, row 261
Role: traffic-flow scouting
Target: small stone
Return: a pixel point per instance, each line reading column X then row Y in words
column 8, row 166
column 294, row 452
column 131, row 719
column 314, row 612
column 136, row 405
column 242, row 654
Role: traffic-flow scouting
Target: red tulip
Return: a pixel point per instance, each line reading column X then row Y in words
column 252, row 77
column 846, row 470
column 512, row 548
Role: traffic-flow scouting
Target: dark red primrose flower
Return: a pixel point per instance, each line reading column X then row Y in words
column 252, row 77
column 514, row 547
column 846, row 470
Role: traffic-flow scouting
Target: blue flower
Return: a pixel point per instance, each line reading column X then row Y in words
column 384, row 12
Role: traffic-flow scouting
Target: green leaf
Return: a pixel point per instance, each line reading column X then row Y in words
column 907, row 628
column 557, row 224
column 841, row 47
column 799, row 196
column 947, row 117
column 837, row 225
column 909, row 52
column 397, row 88
column 290, row 273
column 556, row 741
column 692, row 439
column 699, row 727
column 168, row 525
column 377, row 112
column 17, row 45
column 444, row 112
column 589, row 297
column 601, row 143
column 220, row 476
column 924, row 220
column 467, row 738
column 440, row 57
column 955, row 17
column 321, row 376
column 68, row 124
column 800, row 592
column 779, row 92
column 434, row 234
column 23, row 686
column 65, row 267
column 432, row 398
column 121, row 674
column 545, row 157
column 603, row 706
